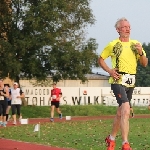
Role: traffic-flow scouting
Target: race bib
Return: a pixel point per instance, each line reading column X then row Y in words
column 54, row 97
column 1, row 98
column 14, row 101
column 128, row 80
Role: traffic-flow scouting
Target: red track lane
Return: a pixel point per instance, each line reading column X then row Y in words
column 6, row 144
column 15, row 145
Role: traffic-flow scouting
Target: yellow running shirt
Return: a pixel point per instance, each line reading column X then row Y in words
column 123, row 56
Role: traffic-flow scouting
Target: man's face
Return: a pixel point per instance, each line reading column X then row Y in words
column 124, row 29
column 15, row 86
column 54, row 86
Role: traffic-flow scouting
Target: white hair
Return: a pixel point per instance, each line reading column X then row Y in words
column 119, row 20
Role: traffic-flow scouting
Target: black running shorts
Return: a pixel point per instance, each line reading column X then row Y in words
column 122, row 93
column 55, row 103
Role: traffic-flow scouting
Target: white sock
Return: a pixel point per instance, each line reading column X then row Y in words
column 111, row 138
column 124, row 142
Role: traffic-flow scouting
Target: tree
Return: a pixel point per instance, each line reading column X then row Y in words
column 143, row 78
column 47, row 37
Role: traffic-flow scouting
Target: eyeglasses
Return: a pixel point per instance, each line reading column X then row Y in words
column 126, row 27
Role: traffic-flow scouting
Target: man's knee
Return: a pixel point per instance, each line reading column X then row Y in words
column 57, row 109
column 125, row 109
column 119, row 112
column 52, row 108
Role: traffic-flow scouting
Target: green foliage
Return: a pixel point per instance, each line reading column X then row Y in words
column 48, row 38
column 143, row 78
column 67, row 110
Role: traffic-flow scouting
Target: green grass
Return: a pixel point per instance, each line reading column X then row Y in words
column 88, row 110
column 82, row 135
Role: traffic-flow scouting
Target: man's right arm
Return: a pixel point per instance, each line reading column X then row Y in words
column 50, row 98
column 103, row 65
column 112, row 72
column 105, row 54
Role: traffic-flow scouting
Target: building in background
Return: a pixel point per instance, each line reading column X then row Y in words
column 94, row 80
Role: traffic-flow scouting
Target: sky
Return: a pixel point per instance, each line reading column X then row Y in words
column 107, row 12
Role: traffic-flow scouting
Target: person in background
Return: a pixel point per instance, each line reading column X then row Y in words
column 4, row 94
column 131, row 109
column 55, row 96
column 15, row 95
column 124, row 54
column 8, row 104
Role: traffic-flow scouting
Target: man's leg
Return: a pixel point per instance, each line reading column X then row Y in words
column 19, row 112
column 116, row 123
column 4, row 113
column 13, row 108
column 132, row 113
column 110, row 140
column 7, row 111
column 125, row 112
column 52, row 113
column 121, row 119
column 129, row 95
column 1, row 114
column 58, row 110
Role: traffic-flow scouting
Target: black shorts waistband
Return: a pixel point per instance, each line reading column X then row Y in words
column 124, row 73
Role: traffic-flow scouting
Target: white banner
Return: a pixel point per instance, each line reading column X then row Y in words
column 70, row 96
column 84, row 96
column 90, row 95
column 37, row 95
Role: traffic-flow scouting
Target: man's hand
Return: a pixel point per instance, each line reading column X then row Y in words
column 113, row 73
column 2, row 93
column 57, row 98
column 49, row 98
column 138, row 47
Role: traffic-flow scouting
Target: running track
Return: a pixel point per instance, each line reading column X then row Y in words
column 6, row 144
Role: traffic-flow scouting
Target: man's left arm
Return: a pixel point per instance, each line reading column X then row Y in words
column 143, row 60
column 21, row 94
column 60, row 94
column 142, row 54
column 6, row 94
